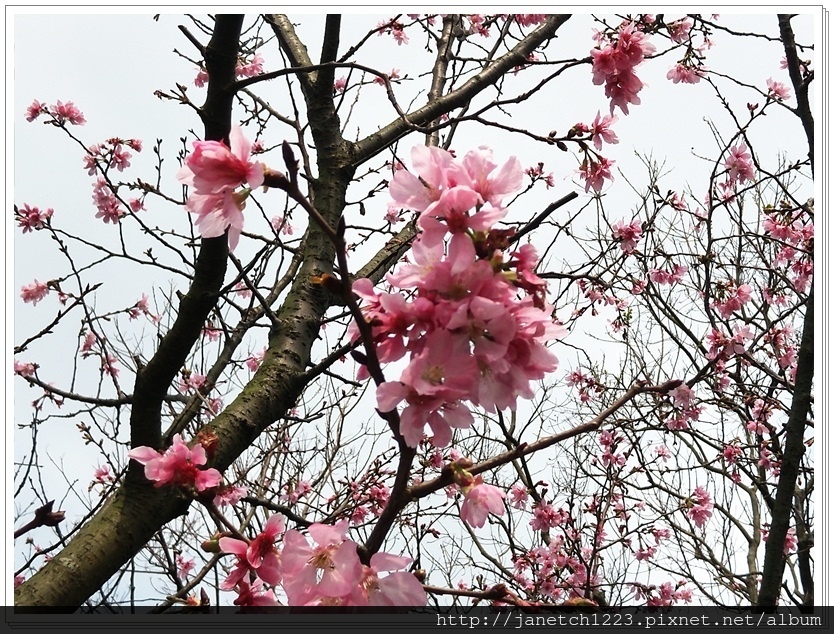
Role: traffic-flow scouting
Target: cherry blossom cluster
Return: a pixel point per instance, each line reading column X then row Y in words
column 553, row 571
column 794, row 232
column 467, row 333
column 325, row 573
column 732, row 298
column 665, row 277
column 31, row 218
column 214, row 171
column 34, row 292
column 252, row 68
column 589, row 388
column 614, row 61
column 664, row 595
column 684, row 409
column 179, row 465
column 60, row 112
column 628, row 235
column 699, row 506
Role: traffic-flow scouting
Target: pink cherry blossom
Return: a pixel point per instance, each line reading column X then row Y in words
column 67, row 112
column 109, row 208
column 254, row 594
column 614, row 63
column 731, row 453
column 679, row 30
column 34, row 110
column 339, row 85
column 103, row 475
column 739, row 164
column 29, row 218
column 394, row 74
column 254, row 361
column 253, row 67
column 178, row 465
column 594, row 172
column 216, row 213
column 34, row 292
column 662, row 277
column 546, row 517
column 699, row 506
column 777, row 90
column 663, row 452
column 24, row 369
column 479, row 501
column 214, row 171
column 600, row 130
column 519, row 496
column 398, row 588
column 201, row 78
column 213, row 168
column 229, row 495
column 282, row 224
column 682, row 74
column 259, row 555
column 184, row 566
column 627, row 234
column 329, row 570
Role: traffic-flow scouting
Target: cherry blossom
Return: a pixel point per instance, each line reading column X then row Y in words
column 519, row 496
column 699, row 506
column 613, row 65
column 34, row 292
column 683, row 74
column 214, row 171
column 67, row 112
column 339, row 85
column 790, row 538
column 24, row 369
column 184, row 566
column 178, row 465
column 259, row 555
column 600, row 130
column 595, row 172
column 479, row 501
column 319, row 574
column 109, row 208
column 103, row 474
column 34, row 110
column 777, row 90
column 201, row 78
column 254, row 594
column 627, row 234
column 398, row 588
column 679, row 30
column 29, row 218
column 739, row 164
column 394, row 74
column 253, row 67
column 734, row 300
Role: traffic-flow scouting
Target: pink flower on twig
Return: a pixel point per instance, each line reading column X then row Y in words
column 179, row 465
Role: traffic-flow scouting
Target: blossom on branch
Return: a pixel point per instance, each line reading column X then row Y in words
column 179, row 465
column 214, row 171
column 29, row 218
column 34, row 292
column 66, row 112
column 479, row 501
